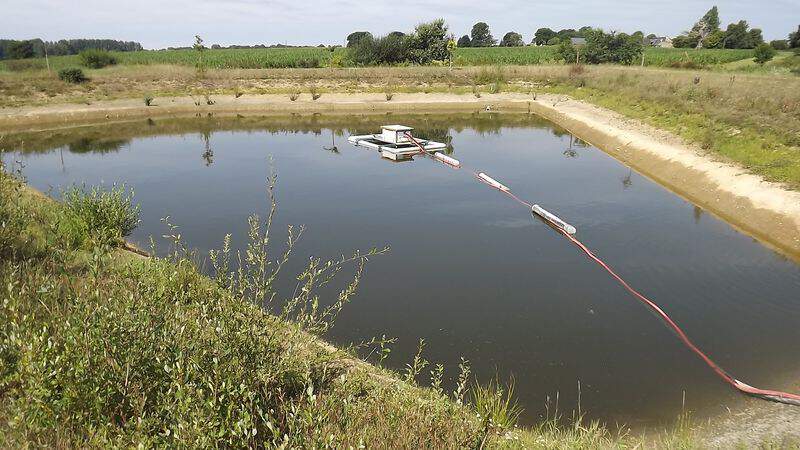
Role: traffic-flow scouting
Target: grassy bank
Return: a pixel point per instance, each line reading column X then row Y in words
column 306, row 57
column 101, row 347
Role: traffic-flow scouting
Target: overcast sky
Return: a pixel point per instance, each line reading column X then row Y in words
column 163, row 23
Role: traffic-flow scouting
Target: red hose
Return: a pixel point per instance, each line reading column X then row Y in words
column 766, row 394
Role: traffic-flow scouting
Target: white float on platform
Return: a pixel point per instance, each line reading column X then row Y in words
column 393, row 143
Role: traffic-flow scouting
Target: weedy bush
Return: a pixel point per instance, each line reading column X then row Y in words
column 496, row 407
column 71, row 75
column 148, row 101
column 294, row 96
column 389, row 96
column 314, row 93
column 97, row 59
column 11, row 222
column 97, row 217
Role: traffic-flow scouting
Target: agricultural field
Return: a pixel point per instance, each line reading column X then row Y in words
column 306, row 57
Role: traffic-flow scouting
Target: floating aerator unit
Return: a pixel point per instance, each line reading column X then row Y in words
column 393, row 142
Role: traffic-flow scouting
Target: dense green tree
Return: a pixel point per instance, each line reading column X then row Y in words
column 464, row 41
column 543, row 36
column 779, row 44
column 567, row 33
column 21, row 50
column 763, row 53
column 756, row 38
column 685, row 41
column 354, row 37
column 512, row 39
column 480, row 35
column 428, row 42
column 738, row 36
column 707, row 24
column 602, row 47
column 794, row 38
column 699, row 35
column 555, row 40
column 714, row 40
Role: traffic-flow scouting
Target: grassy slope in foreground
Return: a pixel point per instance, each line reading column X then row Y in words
column 100, row 347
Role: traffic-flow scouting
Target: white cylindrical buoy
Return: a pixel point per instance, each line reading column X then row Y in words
column 552, row 218
column 492, row 182
column 446, row 159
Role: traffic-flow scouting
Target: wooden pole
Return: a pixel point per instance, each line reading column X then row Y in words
column 46, row 60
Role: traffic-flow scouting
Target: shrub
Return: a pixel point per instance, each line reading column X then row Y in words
column 390, row 49
column 148, row 101
column 428, row 43
column 97, row 59
column 71, row 75
column 763, row 53
column 97, row 216
column 780, row 44
column 10, row 219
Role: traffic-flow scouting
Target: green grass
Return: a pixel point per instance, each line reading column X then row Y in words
column 750, row 120
column 669, row 57
column 306, row 57
column 520, row 56
column 100, row 348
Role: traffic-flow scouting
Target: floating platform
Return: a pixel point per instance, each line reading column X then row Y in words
column 393, row 143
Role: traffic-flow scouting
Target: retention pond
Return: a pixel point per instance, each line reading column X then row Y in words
column 470, row 271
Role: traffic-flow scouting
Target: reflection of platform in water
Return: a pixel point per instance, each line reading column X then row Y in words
column 393, row 143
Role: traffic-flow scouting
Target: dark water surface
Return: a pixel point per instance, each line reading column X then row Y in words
column 469, row 270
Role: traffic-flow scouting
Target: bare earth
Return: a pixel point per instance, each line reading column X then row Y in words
column 765, row 210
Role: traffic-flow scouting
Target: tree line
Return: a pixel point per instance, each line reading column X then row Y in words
column 37, row 48
column 481, row 36
column 707, row 33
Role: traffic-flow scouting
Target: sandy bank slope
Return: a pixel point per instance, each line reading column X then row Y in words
column 762, row 209
column 765, row 210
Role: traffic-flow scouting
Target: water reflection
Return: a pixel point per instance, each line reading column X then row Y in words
column 208, row 154
column 97, row 145
column 627, row 180
column 333, row 148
